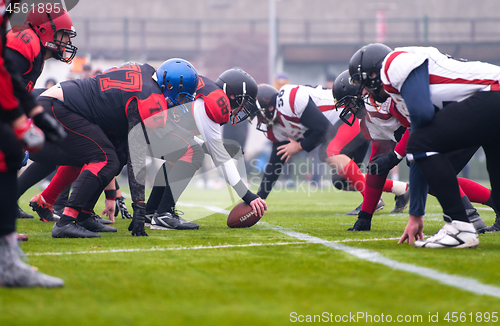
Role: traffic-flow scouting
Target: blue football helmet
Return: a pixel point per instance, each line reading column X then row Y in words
column 178, row 81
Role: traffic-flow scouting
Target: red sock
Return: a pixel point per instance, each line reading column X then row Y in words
column 388, row 185
column 373, row 191
column 474, row 191
column 352, row 173
column 64, row 177
column 68, row 211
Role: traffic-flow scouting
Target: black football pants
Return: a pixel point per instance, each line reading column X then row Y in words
column 86, row 145
column 472, row 122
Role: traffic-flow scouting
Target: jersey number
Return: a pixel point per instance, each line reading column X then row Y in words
column 132, row 82
column 280, row 98
column 24, row 37
column 224, row 107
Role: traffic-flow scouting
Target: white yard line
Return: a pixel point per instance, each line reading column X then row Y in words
column 163, row 249
column 460, row 282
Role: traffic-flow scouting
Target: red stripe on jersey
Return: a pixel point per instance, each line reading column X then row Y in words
column 388, row 62
column 270, row 134
column 293, row 94
column 434, row 79
column 292, row 119
column 389, row 89
column 395, row 113
column 324, row 108
column 378, row 115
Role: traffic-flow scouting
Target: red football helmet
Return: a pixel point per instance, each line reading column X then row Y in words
column 51, row 27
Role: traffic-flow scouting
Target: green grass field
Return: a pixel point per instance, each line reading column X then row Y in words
column 262, row 275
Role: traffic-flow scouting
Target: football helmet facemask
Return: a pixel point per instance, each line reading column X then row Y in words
column 178, row 81
column 55, row 31
column 347, row 97
column 241, row 89
column 265, row 106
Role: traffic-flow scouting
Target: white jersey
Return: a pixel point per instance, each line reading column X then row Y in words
column 380, row 123
column 291, row 103
column 450, row 80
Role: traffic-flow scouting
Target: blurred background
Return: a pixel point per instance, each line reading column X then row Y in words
column 301, row 41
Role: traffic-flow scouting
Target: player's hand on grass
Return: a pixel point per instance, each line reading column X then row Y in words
column 137, row 224
column 259, row 206
column 288, row 150
column 413, row 230
column 109, row 209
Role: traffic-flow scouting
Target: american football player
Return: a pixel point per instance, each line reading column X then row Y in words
column 436, row 93
column 385, row 130
column 229, row 99
column 300, row 118
column 16, row 105
column 100, row 114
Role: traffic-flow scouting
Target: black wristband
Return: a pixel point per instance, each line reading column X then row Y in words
column 249, row 197
column 110, row 194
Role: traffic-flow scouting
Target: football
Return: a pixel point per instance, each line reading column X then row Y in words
column 242, row 216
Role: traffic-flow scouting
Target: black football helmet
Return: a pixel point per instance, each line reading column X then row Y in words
column 241, row 89
column 365, row 65
column 265, row 106
column 347, row 97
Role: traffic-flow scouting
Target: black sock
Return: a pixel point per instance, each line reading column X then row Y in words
column 364, row 215
column 65, row 219
column 154, row 199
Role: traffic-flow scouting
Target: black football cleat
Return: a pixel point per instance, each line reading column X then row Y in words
column 356, row 211
column 23, row 214
column 44, row 210
column 72, row 230
column 362, row 224
column 171, row 220
column 495, row 227
column 93, row 225
column 401, row 202
column 101, row 220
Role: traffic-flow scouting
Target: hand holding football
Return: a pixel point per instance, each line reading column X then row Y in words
column 242, row 216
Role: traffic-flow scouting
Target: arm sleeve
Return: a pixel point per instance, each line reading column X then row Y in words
column 137, row 147
column 212, row 136
column 9, row 105
column 418, row 191
column 416, row 93
column 27, row 101
column 317, row 124
column 272, row 172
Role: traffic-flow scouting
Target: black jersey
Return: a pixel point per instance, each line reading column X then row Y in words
column 104, row 99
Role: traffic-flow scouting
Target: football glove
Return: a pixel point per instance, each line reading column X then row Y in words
column 53, row 131
column 383, row 163
column 31, row 136
column 122, row 208
column 137, row 224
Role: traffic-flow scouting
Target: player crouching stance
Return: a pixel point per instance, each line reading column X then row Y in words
column 436, row 92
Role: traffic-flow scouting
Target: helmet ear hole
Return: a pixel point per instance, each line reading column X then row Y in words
column 42, row 30
column 170, row 86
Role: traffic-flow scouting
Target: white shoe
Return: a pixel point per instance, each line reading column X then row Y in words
column 456, row 234
column 15, row 273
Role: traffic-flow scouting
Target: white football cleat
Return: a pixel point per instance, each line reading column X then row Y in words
column 456, row 234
